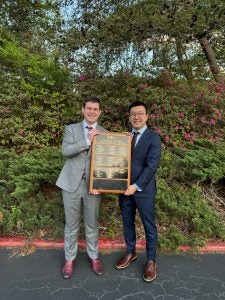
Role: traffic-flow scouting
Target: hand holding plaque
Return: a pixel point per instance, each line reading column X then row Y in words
column 92, row 133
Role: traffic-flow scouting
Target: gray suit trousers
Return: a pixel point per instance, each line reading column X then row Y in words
column 75, row 204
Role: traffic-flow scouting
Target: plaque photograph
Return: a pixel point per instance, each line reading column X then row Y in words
column 110, row 162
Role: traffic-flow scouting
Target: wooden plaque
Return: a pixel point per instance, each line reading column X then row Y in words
column 110, row 162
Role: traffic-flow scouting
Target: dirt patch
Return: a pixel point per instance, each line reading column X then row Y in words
column 215, row 196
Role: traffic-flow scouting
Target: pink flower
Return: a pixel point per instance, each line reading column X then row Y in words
column 220, row 88
column 154, row 106
column 212, row 121
column 21, row 132
column 152, row 116
column 181, row 145
column 219, row 116
column 212, row 140
column 170, row 82
column 181, row 115
column 187, row 136
column 211, row 84
column 82, row 78
column 200, row 95
column 158, row 131
column 167, row 138
column 143, row 86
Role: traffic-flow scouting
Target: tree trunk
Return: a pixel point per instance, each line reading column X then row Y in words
column 210, row 56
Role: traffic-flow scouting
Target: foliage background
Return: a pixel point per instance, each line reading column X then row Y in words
column 53, row 53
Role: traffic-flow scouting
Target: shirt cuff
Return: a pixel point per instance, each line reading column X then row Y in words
column 138, row 189
column 88, row 142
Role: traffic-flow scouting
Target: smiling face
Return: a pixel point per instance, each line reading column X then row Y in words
column 138, row 117
column 91, row 112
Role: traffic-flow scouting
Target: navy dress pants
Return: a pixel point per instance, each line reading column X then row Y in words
column 146, row 208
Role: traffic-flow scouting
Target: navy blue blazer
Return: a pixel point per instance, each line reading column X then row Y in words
column 144, row 163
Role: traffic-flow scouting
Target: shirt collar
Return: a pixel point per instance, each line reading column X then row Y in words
column 86, row 124
column 140, row 130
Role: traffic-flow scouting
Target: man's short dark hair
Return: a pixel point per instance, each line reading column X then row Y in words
column 92, row 99
column 138, row 103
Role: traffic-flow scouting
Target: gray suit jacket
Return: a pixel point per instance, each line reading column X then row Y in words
column 78, row 156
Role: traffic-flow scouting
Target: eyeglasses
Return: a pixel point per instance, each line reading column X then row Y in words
column 139, row 115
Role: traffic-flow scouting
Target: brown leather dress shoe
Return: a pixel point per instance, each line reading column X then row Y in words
column 67, row 269
column 96, row 265
column 125, row 261
column 150, row 271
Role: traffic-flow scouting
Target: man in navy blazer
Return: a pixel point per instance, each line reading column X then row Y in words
column 141, row 193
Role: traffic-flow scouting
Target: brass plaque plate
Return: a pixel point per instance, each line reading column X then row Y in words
column 110, row 162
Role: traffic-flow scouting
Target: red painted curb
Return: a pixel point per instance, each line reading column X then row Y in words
column 218, row 247
column 104, row 244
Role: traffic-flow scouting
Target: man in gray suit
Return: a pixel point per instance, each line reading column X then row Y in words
column 74, row 182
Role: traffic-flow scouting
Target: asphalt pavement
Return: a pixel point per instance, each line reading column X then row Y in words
column 183, row 276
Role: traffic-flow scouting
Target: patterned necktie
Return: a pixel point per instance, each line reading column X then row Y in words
column 135, row 134
column 89, row 128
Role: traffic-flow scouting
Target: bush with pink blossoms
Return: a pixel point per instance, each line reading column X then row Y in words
column 184, row 114
column 180, row 113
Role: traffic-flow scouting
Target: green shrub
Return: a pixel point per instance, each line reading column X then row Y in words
column 201, row 161
column 187, row 209
column 31, row 204
column 33, row 169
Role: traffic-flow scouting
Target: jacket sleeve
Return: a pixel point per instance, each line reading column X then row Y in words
column 152, row 163
column 71, row 146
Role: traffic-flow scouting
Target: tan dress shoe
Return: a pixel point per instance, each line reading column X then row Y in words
column 125, row 261
column 150, row 271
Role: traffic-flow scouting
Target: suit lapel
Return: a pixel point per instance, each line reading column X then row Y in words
column 141, row 141
column 98, row 127
column 81, row 130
